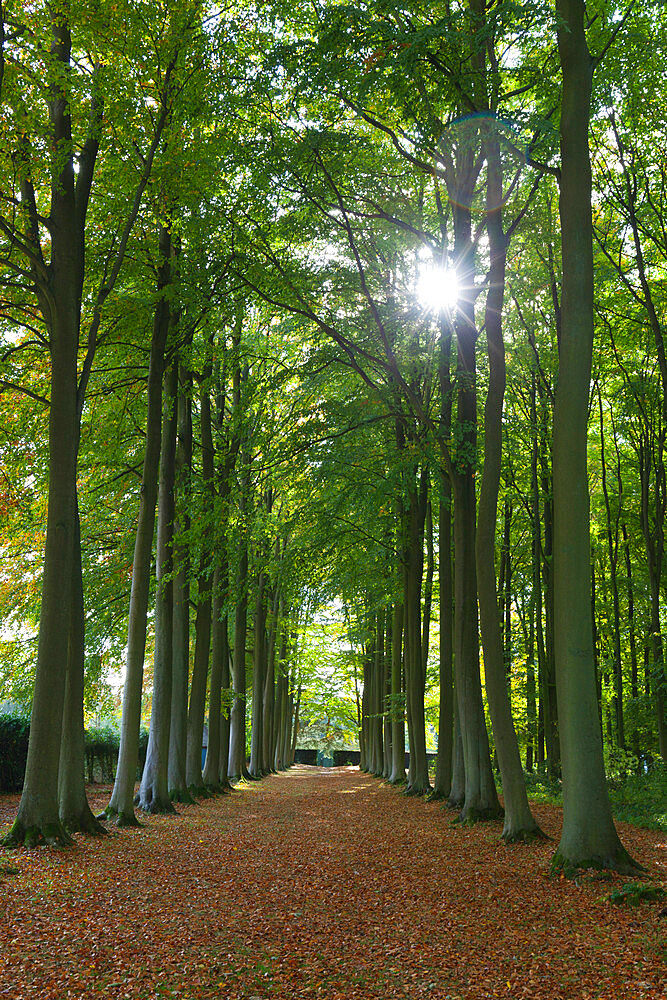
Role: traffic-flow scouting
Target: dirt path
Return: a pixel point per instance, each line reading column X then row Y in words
column 321, row 884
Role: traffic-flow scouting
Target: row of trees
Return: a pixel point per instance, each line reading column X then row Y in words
column 215, row 224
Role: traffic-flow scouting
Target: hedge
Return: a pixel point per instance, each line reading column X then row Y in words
column 101, row 752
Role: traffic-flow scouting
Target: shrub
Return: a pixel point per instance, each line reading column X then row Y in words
column 14, row 732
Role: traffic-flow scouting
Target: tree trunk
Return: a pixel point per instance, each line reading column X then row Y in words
column 197, row 707
column 211, row 773
column 237, row 738
column 258, row 679
column 443, row 767
column 418, row 779
column 37, row 818
column 75, row 813
column 378, row 691
column 386, row 694
column 178, row 786
column 519, row 822
column 588, row 836
column 397, row 776
column 268, row 738
column 122, row 797
column 154, row 789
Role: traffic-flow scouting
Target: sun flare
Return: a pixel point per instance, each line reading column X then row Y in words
column 438, row 288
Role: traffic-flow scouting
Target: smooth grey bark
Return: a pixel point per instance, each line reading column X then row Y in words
column 427, row 601
column 295, row 731
column 397, row 775
column 74, row 810
column 269, row 736
column 59, row 291
column 197, row 707
column 219, row 651
column 237, row 758
column 281, row 693
column 378, row 691
column 588, row 837
column 519, row 823
column 386, row 699
column 477, row 762
column 153, row 794
column 121, row 804
column 178, row 788
column 258, row 678
column 457, row 791
column 418, row 779
column 613, row 553
column 481, row 799
column 443, row 765
column 363, row 732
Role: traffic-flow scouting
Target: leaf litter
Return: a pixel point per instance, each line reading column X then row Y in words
column 315, row 884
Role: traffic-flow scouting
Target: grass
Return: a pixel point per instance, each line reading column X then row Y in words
column 637, row 799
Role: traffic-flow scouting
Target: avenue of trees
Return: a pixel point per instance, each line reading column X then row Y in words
column 346, row 306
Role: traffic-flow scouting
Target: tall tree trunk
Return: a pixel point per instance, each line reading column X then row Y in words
column 75, row 813
column 178, row 788
column 121, row 806
column 444, row 760
column 386, row 694
column 378, row 691
column 457, row 792
column 197, row 708
column 268, row 737
column 418, row 778
column 38, row 819
column 397, row 776
column 481, row 800
column 588, row 835
column 519, row 822
column 219, row 650
column 634, row 673
column 258, row 679
column 612, row 552
column 295, row 731
column 154, row 788
column 200, row 667
column 237, row 731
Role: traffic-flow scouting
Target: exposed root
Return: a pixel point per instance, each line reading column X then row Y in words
column 86, row 823
column 200, row 792
column 181, row 795
column 154, row 807
column 53, row 834
column 416, row 790
column 469, row 817
column 119, row 819
column 620, row 861
column 523, row 836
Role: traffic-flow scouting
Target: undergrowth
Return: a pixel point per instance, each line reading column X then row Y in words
column 637, row 799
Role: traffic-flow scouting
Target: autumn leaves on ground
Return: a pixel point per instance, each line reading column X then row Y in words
column 318, row 883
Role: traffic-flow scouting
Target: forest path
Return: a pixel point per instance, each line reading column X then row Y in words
column 319, row 884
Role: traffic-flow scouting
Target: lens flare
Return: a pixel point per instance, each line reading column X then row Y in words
column 438, row 288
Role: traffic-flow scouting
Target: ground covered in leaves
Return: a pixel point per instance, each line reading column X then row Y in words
column 320, row 884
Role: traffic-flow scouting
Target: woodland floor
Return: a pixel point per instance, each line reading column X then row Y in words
column 320, row 884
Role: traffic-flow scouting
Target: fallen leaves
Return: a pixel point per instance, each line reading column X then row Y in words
column 307, row 886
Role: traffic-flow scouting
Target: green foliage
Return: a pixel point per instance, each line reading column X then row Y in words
column 634, row 893
column 14, row 733
column 642, row 798
column 101, row 749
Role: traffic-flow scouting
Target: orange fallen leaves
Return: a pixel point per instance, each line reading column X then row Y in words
column 303, row 887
